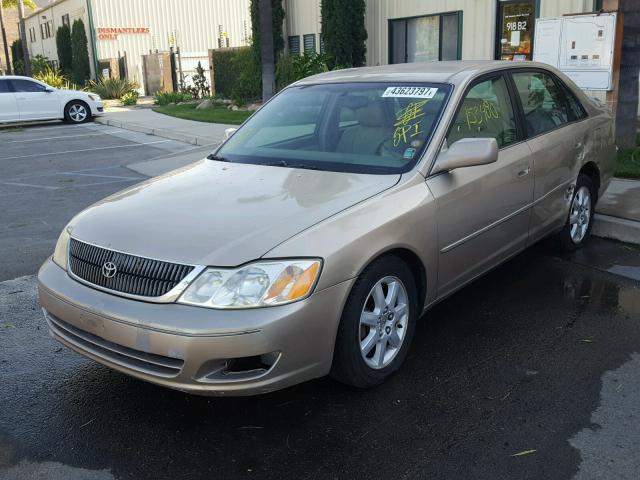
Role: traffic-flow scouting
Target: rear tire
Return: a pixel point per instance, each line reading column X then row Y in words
column 76, row 112
column 377, row 324
column 577, row 228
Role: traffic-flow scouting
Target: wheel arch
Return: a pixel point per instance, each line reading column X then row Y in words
column 591, row 170
column 415, row 264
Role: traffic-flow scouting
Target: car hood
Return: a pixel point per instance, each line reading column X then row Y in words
column 221, row 214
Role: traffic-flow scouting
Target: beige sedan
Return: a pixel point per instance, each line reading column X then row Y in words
column 313, row 239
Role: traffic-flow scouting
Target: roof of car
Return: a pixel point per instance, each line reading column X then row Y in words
column 438, row 72
column 15, row 77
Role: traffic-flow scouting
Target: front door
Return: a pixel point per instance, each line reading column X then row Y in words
column 483, row 211
column 514, row 30
column 8, row 104
column 34, row 101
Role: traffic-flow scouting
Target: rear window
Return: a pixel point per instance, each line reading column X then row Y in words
column 355, row 127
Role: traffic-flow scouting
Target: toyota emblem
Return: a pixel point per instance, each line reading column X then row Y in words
column 109, row 270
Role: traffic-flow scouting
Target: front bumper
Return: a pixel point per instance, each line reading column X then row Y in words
column 183, row 347
column 97, row 108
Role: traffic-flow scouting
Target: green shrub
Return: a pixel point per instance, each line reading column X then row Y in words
column 112, row 87
column 291, row 68
column 55, row 78
column 165, row 98
column 63, row 47
column 17, row 56
column 129, row 98
column 80, row 54
column 39, row 65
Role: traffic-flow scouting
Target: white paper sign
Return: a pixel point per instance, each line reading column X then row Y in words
column 410, row 92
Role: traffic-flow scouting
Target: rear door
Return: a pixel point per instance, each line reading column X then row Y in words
column 34, row 101
column 483, row 211
column 8, row 103
column 557, row 141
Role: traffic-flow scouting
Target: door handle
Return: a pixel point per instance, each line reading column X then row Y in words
column 524, row 173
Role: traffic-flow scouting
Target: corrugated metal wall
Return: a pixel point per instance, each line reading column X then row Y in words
column 196, row 23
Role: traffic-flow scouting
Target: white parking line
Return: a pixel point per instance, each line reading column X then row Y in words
column 16, row 184
column 55, row 138
column 84, row 150
column 92, row 175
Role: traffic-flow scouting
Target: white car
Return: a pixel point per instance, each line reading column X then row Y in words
column 23, row 99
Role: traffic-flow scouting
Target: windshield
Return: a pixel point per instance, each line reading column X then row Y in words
column 348, row 127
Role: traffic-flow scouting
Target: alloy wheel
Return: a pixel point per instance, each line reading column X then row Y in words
column 580, row 215
column 78, row 113
column 383, row 322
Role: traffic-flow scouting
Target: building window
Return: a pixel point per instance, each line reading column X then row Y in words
column 32, row 34
column 46, row 30
column 65, row 20
column 428, row 38
column 514, row 39
column 322, row 43
column 309, row 42
column 294, row 45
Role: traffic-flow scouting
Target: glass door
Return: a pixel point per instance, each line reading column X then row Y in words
column 514, row 39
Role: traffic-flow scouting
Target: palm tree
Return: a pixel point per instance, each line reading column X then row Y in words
column 10, row 4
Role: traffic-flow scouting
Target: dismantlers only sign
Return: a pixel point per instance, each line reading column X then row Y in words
column 111, row 33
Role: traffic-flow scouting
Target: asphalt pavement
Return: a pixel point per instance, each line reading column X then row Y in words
column 48, row 173
column 532, row 372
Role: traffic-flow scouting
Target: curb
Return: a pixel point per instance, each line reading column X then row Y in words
column 158, row 132
column 615, row 228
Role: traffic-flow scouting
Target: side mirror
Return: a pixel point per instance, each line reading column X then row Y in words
column 49, row 90
column 228, row 132
column 467, row 152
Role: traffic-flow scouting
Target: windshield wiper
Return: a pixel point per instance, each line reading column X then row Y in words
column 282, row 163
column 216, row 157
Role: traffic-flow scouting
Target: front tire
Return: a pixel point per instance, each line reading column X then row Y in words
column 377, row 324
column 76, row 112
column 577, row 228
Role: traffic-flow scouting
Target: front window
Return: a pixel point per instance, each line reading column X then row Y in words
column 349, row 127
column 486, row 112
column 20, row 85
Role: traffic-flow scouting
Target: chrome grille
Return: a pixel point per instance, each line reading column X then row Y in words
column 134, row 275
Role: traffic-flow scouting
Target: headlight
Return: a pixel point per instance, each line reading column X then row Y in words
column 62, row 249
column 259, row 284
column 94, row 98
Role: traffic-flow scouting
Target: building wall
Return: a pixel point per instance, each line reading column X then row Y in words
column 195, row 23
column 479, row 20
column 76, row 9
column 11, row 26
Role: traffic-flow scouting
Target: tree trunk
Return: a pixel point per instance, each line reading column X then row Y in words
column 4, row 40
column 627, row 111
column 266, row 50
column 23, row 37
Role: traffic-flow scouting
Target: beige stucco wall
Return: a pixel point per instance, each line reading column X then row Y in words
column 76, row 9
